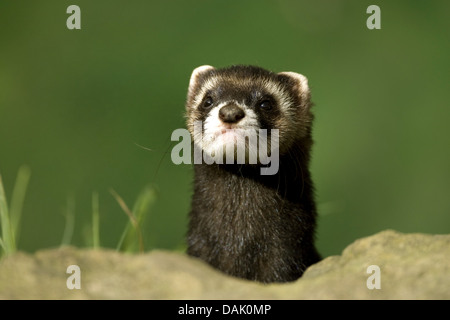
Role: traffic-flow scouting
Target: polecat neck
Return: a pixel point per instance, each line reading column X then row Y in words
column 248, row 224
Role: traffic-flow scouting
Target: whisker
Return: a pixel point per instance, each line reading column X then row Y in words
column 142, row 147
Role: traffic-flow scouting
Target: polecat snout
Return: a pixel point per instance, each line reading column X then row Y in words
column 246, row 223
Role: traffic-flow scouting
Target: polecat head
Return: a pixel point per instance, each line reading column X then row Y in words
column 247, row 97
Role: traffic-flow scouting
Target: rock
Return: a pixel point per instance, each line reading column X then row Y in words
column 411, row 266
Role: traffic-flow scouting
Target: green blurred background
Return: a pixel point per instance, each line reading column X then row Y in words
column 77, row 106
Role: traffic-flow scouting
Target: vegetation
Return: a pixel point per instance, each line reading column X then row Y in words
column 131, row 239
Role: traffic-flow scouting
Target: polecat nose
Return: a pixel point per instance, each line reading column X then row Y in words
column 231, row 113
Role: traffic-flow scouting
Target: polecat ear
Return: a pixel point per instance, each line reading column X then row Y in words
column 196, row 75
column 301, row 81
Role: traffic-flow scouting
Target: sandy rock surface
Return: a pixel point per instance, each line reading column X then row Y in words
column 407, row 266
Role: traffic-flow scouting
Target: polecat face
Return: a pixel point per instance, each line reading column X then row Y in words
column 231, row 100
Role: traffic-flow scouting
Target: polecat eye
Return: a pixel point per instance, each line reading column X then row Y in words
column 208, row 103
column 265, row 104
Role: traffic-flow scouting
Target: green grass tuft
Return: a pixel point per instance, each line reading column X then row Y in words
column 132, row 239
column 10, row 217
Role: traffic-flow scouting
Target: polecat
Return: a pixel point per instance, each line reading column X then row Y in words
column 248, row 224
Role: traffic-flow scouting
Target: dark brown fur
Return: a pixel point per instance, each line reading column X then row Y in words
column 253, row 226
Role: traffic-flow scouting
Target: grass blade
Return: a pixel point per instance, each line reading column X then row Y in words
column 95, row 221
column 7, row 237
column 128, row 231
column 18, row 198
column 70, row 221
